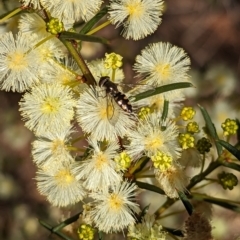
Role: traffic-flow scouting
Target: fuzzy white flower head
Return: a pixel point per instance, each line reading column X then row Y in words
column 101, row 117
column 98, row 171
column 65, row 72
column 18, row 68
column 115, row 208
column 47, row 51
column 47, row 107
column 150, row 138
column 72, row 10
column 161, row 64
column 172, row 180
column 59, row 185
column 31, row 23
column 52, row 146
column 148, row 229
column 138, row 17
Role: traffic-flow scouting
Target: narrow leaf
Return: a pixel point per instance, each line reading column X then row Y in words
column 233, row 166
column 186, row 202
column 234, row 151
column 218, row 201
column 211, row 128
column 66, row 222
column 59, row 234
column 89, row 25
column 82, row 37
column 162, row 89
column 165, row 110
column 100, row 235
column 150, row 187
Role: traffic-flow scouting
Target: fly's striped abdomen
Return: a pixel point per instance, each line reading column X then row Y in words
column 120, row 98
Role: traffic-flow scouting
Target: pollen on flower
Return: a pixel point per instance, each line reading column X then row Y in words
column 57, row 144
column 164, row 70
column 50, row 105
column 115, row 202
column 17, row 61
column 101, row 160
column 153, row 142
column 64, row 177
column 135, row 9
column 144, row 111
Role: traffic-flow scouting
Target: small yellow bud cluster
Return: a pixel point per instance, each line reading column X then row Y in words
column 86, row 232
column 113, row 61
column 229, row 127
column 186, row 140
column 227, row 180
column 162, row 161
column 192, row 127
column 144, row 111
column 54, row 26
column 187, row 113
column 123, row 161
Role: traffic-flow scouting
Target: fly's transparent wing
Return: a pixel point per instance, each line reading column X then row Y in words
column 135, row 88
column 112, row 110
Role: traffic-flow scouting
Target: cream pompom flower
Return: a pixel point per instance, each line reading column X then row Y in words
column 101, row 117
column 59, row 185
column 32, row 23
column 99, row 170
column 52, row 146
column 18, row 68
column 149, row 138
column 172, row 180
column 138, row 17
column 47, row 107
column 115, row 208
column 161, row 64
column 72, row 10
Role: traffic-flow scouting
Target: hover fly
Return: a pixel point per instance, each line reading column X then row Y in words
column 112, row 90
